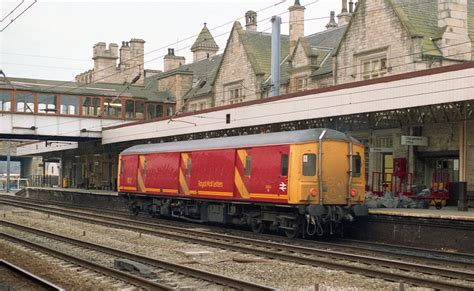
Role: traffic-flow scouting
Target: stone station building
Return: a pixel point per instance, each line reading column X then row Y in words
column 369, row 40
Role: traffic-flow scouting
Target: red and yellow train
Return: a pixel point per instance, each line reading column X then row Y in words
column 304, row 182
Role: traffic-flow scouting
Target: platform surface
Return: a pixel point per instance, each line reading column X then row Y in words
column 76, row 190
column 448, row 212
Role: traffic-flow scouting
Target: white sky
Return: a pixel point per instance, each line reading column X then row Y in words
column 54, row 39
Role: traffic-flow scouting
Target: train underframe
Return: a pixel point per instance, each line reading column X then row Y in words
column 294, row 220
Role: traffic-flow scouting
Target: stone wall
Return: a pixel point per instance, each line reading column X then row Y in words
column 375, row 28
column 236, row 68
column 177, row 85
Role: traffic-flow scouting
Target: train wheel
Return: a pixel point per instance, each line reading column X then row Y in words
column 292, row 233
column 256, row 225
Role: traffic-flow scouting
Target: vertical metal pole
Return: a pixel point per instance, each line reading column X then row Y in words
column 8, row 164
column 276, row 45
column 320, row 166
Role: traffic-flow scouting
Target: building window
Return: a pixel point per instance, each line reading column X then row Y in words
column 170, row 111
column 69, row 105
column 112, row 107
column 5, row 101
column 24, row 102
column 129, row 109
column 374, row 68
column 47, row 103
column 154, row 111
column 90, row 106
column 301, row 84
column 234, row 93
column 139, row 109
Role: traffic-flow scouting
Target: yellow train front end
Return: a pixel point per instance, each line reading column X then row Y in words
column 327, row 178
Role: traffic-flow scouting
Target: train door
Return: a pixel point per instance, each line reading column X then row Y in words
column 269, row 173
column 141, row 173
column 128, row 173
column 185, row 169
column 242, row 174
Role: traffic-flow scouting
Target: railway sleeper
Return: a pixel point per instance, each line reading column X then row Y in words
column 294, row 221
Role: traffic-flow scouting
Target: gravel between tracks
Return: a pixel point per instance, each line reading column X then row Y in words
column 287, row 276
column 42, row 266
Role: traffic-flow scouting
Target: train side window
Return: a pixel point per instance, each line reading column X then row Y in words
column 144, row 167
column 122, row 168
column 284, row 166
column 356, row 165
column 188, row 172
column 309, row 164
column 248, row 165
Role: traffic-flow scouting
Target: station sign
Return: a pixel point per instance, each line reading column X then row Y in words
column 381, row 150
column 414, row 140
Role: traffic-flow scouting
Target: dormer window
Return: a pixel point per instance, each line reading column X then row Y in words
column 374, row 68
column 372, row 64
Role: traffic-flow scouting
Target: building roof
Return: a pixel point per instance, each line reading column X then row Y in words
column 420, row 18
column 324, row 45
column 71, row 88
column 205, row 41
column 258, row 46
column 204, row 73
column 276, row 138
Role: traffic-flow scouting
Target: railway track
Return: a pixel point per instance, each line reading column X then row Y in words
column 393, row 270
column 167, row 266
column 430, row 257
column 25, row 275
column 119, row 275
column 440, row 258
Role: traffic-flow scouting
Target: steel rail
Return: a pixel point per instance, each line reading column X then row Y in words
column 129, row 278
column 423, row 268
column 30, row 276
column 318, row 262
column 338, row 244
column 196, row 273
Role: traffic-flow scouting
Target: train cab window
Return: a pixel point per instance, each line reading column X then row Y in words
column 356, row 165
column 284, row 166
column 248, row 165
column 122, row 168
column 309, row 164
column 188, row 170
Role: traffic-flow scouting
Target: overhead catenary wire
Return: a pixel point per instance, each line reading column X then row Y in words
column 107, row 76
column 164, row 47
column 306, row 109
column 292, row 100
column 18, row 16
column 13, row 10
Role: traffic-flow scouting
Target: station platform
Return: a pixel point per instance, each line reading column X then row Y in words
column 74, row 190
column 448, row 213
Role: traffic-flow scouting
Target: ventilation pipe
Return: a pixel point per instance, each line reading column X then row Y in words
column 276, row 46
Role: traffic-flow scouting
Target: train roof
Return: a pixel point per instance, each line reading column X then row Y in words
column 241, row 141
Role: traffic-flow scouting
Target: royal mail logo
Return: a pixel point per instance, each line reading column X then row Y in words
column 210, row 184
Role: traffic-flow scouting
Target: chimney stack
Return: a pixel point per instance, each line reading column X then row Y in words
column 345, row 16
column 171, row 62
column 332, row 21
column 452, row 22
column 251, row 20
column 296, row 24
